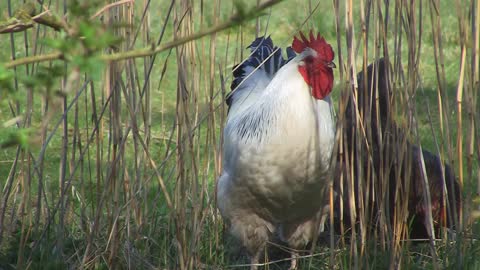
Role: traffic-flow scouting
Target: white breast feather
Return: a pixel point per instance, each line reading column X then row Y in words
column 284, row 168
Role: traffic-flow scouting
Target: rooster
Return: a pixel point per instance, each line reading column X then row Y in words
column 385, row 139
column 277, row 145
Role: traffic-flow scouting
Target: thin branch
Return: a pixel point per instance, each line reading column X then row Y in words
column 148, row 51
column 26, row 16
column 34, row 59
column 109, row 6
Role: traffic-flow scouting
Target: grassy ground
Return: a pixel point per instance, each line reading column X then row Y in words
column 138, row 180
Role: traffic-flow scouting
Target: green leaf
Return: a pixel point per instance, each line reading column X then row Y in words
column 62, row 43
column 16, row 137
column 6, row 81
column 88, row 32
column 45, row 78
column 92, row 65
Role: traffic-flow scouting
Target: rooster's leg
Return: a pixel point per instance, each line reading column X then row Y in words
column 253, row 232
column 293, row 264
column 254, row 261
column 323, row 217
column 299, row 235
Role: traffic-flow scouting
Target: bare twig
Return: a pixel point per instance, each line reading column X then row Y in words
column 148, row 51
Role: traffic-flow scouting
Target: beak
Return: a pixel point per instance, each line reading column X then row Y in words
column 331, row 65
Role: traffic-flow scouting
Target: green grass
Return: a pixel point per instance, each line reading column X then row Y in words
column 148, row 231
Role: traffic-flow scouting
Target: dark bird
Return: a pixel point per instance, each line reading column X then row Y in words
column 387, row 167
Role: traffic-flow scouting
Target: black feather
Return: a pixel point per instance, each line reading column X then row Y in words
column 264, row 56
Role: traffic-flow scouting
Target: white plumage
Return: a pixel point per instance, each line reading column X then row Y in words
column 278, row 141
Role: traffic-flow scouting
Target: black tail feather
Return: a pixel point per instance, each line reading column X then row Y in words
column 264, row 56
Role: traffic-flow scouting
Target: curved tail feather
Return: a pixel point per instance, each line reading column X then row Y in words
column 265, row 59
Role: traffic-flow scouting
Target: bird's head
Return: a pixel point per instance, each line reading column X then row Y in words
column 316, row 65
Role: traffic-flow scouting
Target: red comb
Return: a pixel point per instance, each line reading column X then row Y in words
column 316, row 43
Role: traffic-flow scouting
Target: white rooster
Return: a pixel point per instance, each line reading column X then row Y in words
column 278, row 141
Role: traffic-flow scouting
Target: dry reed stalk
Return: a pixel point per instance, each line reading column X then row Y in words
column 340, row 124
column 15, row 110
column 475, row 118
column 351, row 84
